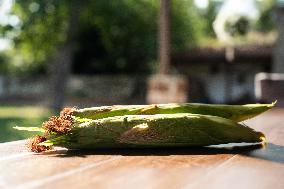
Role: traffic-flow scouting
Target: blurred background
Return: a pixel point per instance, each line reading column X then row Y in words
column 103, row 52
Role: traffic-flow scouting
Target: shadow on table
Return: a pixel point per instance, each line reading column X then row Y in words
column 270, row 152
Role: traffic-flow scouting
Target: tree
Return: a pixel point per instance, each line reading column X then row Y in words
column 63, row 58
column 47, row 32
column 209, row 15
column 238, row 26
column 103, row 37
column 128, row 43
column 42, row 28
column 266, row 22
column 112, row 36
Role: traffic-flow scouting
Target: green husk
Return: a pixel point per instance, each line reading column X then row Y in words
column 32, row 129
column 234, row 112
column 160, row 125
column 158, row 130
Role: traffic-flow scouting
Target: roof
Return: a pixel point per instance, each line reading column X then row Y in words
column 242, row 54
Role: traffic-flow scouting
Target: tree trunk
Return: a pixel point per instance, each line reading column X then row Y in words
column 60, row 67
column 60, row 71
column 164, row 37
column 163, row 87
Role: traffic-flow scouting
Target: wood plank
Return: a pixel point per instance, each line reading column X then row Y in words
column 151, row 168
column 262, row 168
column 244, row 172
column 12, row 148
column 58, row 169
column 144, row 172
column 33, row 166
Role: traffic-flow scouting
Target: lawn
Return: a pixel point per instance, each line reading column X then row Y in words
column 26, row 116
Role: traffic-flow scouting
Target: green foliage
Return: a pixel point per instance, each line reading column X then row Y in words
column 3, row 63
column 238, row 26
column 186, row 25
column 124, row 33
column 112, row 36
column 42, row 28
column 128, row 43
column 266, row 22
column 209, row 15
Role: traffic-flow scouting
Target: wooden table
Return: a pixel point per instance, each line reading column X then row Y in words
column 250, row 167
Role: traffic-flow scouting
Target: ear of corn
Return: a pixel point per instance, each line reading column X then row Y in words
column 148, row 126
column 234, row 112
column 162, row 130
column 154, row 131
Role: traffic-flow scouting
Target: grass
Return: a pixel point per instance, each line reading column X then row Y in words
column 27, row 116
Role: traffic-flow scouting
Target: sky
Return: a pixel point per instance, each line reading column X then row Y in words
column 201, row 3
column 5, row 6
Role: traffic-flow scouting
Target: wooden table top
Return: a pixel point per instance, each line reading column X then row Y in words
column 249, row 167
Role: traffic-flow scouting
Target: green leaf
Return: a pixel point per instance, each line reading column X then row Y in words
column 47, row 143
column 33, row 129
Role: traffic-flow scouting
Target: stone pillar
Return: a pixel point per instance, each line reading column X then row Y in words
column 167, row 89
column 278, row 57
column 269, row 87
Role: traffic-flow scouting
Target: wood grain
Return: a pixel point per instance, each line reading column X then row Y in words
column 218, row 167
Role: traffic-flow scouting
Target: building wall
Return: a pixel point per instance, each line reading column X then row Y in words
column 206, row 84
column 81, row 90
column 225, row 85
